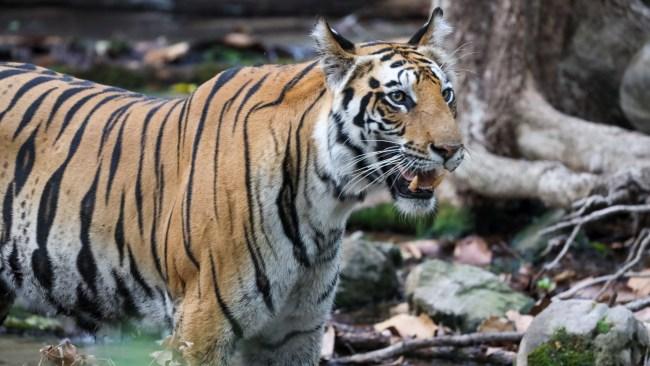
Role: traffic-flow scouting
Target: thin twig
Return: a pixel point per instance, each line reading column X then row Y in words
column 565, row 248
column 410, row 345
column 639, row 304
column 595, row 281
column 596, row 215
column 645, row 234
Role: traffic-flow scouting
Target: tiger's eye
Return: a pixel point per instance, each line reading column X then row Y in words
column 448, row 95
column 397, row 96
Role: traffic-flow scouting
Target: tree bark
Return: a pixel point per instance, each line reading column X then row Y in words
column 534, row 80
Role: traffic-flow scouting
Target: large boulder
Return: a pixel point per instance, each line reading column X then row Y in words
column 635, row 90
column 461, row 296
column 587, row 331
column 368, row 273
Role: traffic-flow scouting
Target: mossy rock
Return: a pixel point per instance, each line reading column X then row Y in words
column 563, row 349
column 583, row 332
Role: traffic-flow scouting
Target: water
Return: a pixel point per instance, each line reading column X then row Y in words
column 24, row 351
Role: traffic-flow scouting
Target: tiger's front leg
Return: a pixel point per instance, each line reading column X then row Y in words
column 205, row 330
column 295, row 348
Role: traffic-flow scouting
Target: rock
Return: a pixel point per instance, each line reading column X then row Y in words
column 461, row 296
column 606, row 336
column 368, row 273
column 635, row 90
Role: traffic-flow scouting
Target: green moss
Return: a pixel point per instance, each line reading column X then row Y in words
column 603, row 326
column 563, row 349
column 448, row 222
column 452, row 222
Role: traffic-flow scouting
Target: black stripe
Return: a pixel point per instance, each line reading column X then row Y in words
column 360, row 118
column 7, row 214
column 24, row 89
column 286, row 200
column 160, row 186
column 236, row 328
column 261, row 280
column 86, row 260
column 138, row 182
column 25, row 161
column 215, row 158
column 137, row 276
column 187, row 104
column 115, row 158
column 118, row 235
column 74, row 109
column 295, row 80
column 138, row 190
column 41, row 263
column 14, row 266
column 348, row 93
column 128, row 304
column 65, row 95
column 19, row 65
column 248, row 95
column 222, row 79
column 4, row 74
column 29, row 113
column 329, row 290
column 112, row 121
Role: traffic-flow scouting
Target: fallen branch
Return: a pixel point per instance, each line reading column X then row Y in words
column 638, row 249
column 411, row 345
column 498, row 357
column 597, row 215
column 565, row 248
column 544, row 133
column 500, row 177
column 639, row 304
column 592, row 282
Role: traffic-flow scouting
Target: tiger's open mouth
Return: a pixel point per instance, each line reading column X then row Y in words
column 416, row 184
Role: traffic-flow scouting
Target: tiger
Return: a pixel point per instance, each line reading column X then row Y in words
column 220, row 215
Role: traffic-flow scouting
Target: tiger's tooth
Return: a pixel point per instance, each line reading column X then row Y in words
column 438, row 180
column 413, row 186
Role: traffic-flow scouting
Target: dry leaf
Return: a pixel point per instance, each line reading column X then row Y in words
column 408, row 326
column 329, row 340
column 521, row 322
column 640, row 285
column 418, row 249
column 494, row 324
column 563, row 276
column 64, row 354
column 473, row 250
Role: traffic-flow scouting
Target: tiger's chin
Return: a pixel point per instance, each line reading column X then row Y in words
column 414, row 192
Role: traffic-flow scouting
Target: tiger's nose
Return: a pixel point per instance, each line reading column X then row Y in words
column 446, row 151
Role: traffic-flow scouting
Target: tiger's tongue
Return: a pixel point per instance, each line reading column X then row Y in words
column 429, row 180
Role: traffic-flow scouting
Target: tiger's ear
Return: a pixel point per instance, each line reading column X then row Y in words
column 433, row 32
column 336, row 53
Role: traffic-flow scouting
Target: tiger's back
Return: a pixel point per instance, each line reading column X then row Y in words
column 69, row 198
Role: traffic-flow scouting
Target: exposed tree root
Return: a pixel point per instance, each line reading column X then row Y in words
column 543, row 133
column 411, row 345
column 500, row 177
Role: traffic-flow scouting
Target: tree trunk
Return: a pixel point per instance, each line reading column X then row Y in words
column 536, row 78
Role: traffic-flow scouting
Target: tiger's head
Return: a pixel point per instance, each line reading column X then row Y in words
column 393, row 113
